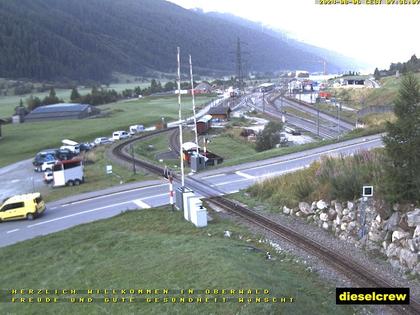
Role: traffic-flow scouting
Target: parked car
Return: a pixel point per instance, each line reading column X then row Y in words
column 71, row 145
column 84, row 147
column 64, row 154
column 119, row 135
column 102, row 140
column 136, row 129
column 43, row 156
column 47, row 166
column 26, row 206
column 48, row 177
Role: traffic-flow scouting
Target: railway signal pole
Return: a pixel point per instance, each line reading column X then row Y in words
column 180, row 119
column 193, row 105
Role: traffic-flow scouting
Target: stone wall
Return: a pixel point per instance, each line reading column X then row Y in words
column 396, row 236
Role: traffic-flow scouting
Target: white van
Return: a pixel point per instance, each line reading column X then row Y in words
column 136, row 129
column 118, row 135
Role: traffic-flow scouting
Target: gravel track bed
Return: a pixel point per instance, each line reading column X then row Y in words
column 335, row 278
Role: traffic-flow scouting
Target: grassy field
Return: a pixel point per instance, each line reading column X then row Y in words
column 157, row 249
column 9, row 102
column 22, row 141
column 96, row 177
column 227, row 144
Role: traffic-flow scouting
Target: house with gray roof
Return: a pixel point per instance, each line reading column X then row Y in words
column 61, row 111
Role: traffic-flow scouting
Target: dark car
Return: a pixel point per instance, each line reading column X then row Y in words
column 64, row 154
column 85, row 147
column 44, row 156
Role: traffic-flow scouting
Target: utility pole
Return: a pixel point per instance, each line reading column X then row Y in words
column 317, row 124
column 239, row 72
column 193, row 105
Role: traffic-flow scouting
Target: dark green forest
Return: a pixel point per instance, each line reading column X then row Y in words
column 91, row 39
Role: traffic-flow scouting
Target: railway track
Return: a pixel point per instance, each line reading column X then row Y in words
column 351, row 269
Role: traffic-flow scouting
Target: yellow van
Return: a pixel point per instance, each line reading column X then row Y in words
column 26, row 206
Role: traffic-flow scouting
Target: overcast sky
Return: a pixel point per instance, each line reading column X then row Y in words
column 375, row 34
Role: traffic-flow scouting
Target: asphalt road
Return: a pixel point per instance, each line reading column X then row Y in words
column 64, row 214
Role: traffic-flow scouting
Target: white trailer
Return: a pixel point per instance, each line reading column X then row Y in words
column 68, row 173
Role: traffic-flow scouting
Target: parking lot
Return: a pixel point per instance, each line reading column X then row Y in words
column 19, row 178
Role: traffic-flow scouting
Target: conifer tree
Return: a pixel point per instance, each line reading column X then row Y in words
column 402, row 144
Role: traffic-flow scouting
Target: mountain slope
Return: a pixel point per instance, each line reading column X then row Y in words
column 76, row 39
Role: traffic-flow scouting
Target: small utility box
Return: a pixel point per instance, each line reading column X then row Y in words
column 180, row 199
column 197, row 162
column 198, row 212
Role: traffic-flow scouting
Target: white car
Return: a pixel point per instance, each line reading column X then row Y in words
column 102, row 140
column 47, row 166
column 118, row 135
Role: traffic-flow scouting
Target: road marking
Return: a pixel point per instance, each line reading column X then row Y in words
column 15, row 181
column 112, row 194
column 160, row 195
column 233, row 181
column 233, row 192
column 11, row 231
column 213, row 176
column 244, row 175
column 141, row 204
column 78, row 213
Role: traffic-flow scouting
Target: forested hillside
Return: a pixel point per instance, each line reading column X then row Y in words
column 80, row 40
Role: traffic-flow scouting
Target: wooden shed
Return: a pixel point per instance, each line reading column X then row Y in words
column 220, row 112
column 204, row 124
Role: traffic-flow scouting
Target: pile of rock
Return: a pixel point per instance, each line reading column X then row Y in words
column 397, row 236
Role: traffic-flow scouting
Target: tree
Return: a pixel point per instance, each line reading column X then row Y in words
column 75, row 96
column 269, row 137
column 402, row 144
column 33, row 102
column 376, row 74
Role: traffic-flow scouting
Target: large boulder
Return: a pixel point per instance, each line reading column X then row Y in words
column 393, row 250
column 413, row 218
column 331, row 214
column 305, row 208
column 392, row 223
column 408, row 258
column 416, row 231
column 321, row 205
column 414, row 244
column 399, row 235
column 323, row 217
column 338, row 207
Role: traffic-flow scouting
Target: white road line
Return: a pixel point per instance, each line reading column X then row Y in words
column 113, row 194
column 233, row 192
column 213, row 176
column 160, row 195
column 141, row 204
column 244, row 175
column 11, row 231
column 78, row 213
column 15, row 181
column 233, row 181
column 310, row 155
